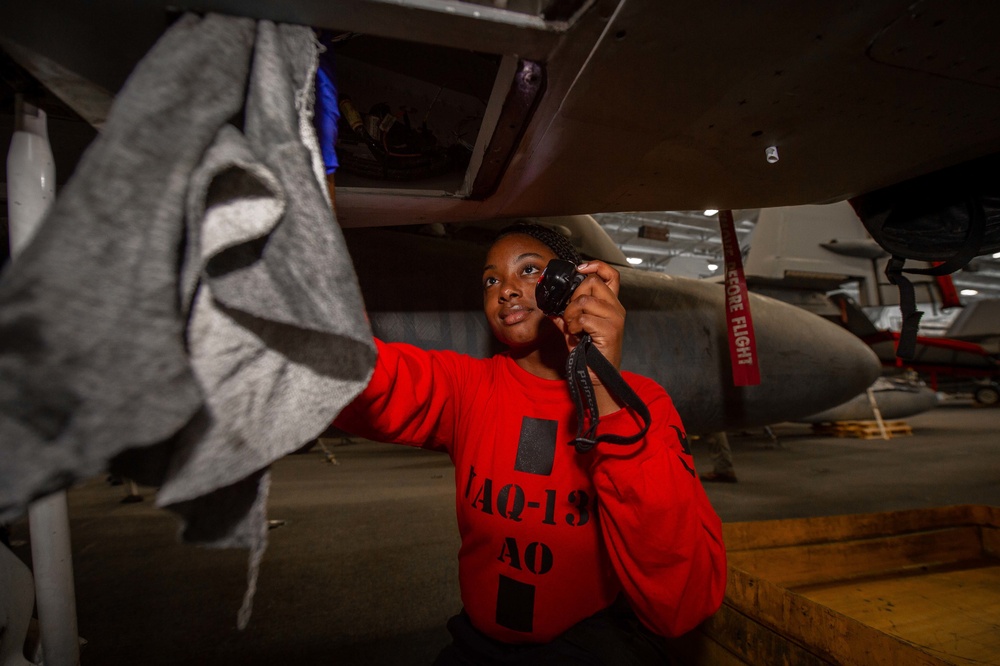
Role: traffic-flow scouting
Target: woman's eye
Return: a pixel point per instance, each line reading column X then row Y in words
column 489, row 282
column 530, row 270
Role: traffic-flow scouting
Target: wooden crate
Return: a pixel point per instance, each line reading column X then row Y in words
column 863, row 429
column 903, row 588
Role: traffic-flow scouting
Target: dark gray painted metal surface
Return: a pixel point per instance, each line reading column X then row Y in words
column 649, row 105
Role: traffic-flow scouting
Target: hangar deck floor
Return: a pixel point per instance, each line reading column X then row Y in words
column 363, row 569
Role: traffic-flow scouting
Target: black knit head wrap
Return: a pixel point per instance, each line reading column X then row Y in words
column 554, row 240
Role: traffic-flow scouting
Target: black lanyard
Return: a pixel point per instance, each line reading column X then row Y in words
column 586, row 355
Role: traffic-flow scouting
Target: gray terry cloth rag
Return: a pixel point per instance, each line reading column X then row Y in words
column 188, row 311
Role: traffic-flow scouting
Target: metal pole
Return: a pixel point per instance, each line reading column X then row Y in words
column 30, row 193
column 52, row 562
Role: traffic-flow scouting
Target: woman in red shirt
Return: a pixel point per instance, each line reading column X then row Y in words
column 566, row 557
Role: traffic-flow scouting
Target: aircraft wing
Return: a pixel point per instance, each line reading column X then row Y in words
column 610, row 105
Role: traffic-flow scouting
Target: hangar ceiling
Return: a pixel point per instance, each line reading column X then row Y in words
column 688, row 244
column 684, row 243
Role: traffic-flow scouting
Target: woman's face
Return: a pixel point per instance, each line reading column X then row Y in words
column 513, row 266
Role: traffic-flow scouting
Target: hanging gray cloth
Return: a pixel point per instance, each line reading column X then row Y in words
column 92, row 357
column 277, row 334
column 191, row 358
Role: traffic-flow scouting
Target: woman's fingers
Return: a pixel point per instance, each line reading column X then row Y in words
column 596, row 310
column 597, row 295
column 591, row 308
column 607, row 274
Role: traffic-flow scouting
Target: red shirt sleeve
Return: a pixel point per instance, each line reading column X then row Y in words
column 662, row 534
column 411, row 399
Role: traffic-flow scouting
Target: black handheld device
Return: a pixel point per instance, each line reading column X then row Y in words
column 556, row 286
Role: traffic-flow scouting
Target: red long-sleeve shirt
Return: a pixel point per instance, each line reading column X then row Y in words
column 551, row 536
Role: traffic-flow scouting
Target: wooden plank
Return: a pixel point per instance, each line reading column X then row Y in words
column 792, row 566
column 753, row 643
column 831, row 635
column 801, row 531
column 867, row 589
column 698, row 648
column 953, row 614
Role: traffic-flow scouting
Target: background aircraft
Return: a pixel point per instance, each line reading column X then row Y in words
column 950, row 362
column 835, row 274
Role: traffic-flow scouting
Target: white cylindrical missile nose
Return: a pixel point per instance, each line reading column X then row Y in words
column 31, row 177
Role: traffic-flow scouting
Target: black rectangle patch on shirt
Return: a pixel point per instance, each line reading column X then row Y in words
column 515, row 605
column 536, row 448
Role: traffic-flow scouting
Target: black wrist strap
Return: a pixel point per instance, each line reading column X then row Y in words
column 586, row 356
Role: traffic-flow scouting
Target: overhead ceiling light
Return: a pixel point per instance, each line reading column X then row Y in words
column 635, row 261
column 969, row 292
column 710, row 212
column 996, row 255
column 713, row 267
